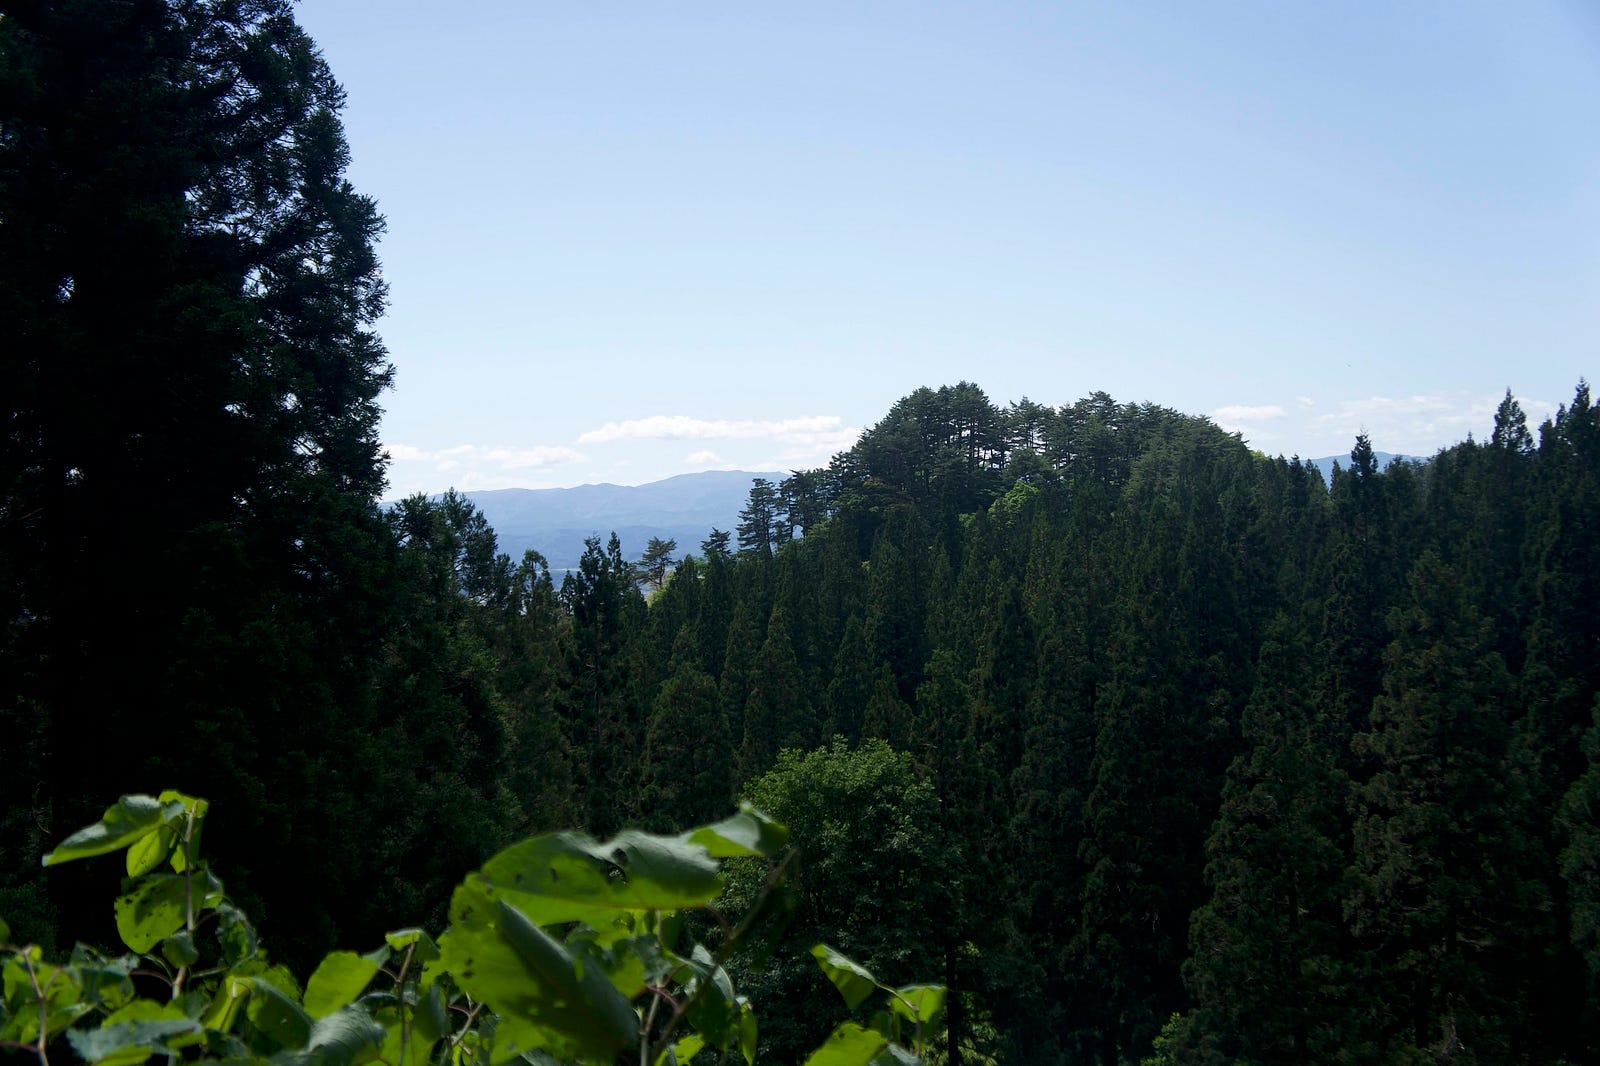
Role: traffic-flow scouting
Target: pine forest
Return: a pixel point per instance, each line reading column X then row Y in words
column 1150, row 747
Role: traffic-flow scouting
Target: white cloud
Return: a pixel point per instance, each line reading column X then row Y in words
column 810, row 429
column 1305, row 401
column 474, row 456
column 532, row 458
column 705, row 458
column 1420, row 424
column 1245, row 413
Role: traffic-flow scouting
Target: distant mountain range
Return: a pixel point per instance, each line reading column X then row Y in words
column 1325, row 464
column 554, row 522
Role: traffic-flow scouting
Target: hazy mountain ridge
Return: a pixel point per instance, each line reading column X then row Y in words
column 684, row 508
column 554, row 522
column 1325, row 464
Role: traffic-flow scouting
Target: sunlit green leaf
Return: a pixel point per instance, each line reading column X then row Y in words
column 190, row 848
column 425, row 949
column 853, row 980
column 919, row 1004
column 562, row 877
column 544, row 999
column 748, row 1032
column 750, row 832
column 224, row 1009
column 338, row 979
column 132, row 818
column 153, row 911
column 849, row 1045
column 683, row 1051
column 150, row 851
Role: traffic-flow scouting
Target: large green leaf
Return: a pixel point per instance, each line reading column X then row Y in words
column 346, row 1037
column 132, row 818
column 274, row 1012
column 543, row 997
column 132, row 1034
column 849, row 1045
column 750, row 832
column 853, row 980
column 563, row 877
column 153, row 911
column 338, row 980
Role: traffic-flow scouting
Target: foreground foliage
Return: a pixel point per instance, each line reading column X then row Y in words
column 559, row 949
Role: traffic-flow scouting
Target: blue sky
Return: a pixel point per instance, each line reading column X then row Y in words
column 629, row 241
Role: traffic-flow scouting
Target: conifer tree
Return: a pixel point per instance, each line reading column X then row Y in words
column 1443, row 853
column 886, row 716
column 1579, row 824
column 688, row 752
column 188, row 286
column 604, row 711
column 1268, row 947
column 777, row 713
column 852, row 683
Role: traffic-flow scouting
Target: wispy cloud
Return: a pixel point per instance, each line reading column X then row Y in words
column 498, row 457
column 1246, row 413
column 704, row 458
column 1419, row 424
column 809, row 430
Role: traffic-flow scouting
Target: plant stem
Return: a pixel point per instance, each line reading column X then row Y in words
column 44, row 1010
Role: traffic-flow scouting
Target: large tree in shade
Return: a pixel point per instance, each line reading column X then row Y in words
column 189, row 457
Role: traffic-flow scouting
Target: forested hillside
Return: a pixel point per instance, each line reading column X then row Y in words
column 1140, row 741
column 1310, row 766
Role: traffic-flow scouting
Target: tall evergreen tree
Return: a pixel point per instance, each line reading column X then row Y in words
column 1268, row 948
column 188, row 285
column 1443, row 850
column 777, row 712
column 688, row 753
column 604, row 710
